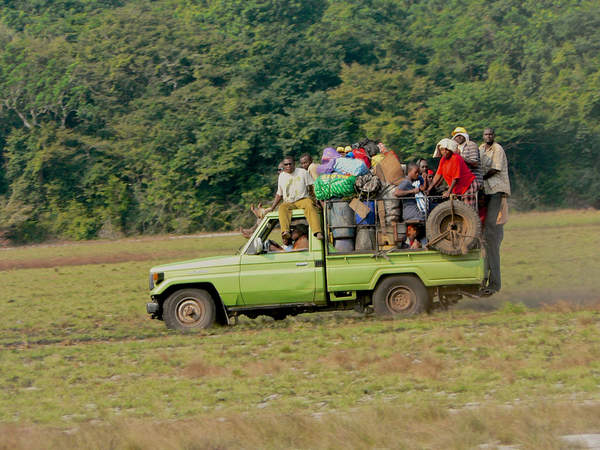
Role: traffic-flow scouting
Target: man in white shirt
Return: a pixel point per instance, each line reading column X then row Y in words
column 293, row 186
column 496, row 186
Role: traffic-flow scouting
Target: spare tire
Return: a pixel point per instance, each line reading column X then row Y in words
column 463, row 223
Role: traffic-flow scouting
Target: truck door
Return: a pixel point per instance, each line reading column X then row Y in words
column 278, row 276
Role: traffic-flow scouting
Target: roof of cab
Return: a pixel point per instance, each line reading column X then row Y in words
column 295, row 213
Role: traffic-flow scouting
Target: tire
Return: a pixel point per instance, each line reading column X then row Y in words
column 466, row 224
column 401, row 295
column 189, row 310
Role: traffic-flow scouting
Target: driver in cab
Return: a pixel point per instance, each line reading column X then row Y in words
column 299, row 238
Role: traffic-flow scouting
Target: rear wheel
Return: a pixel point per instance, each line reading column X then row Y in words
column 402, row 296
column 189, row 309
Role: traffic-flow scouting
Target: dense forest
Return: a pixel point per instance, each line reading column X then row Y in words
column 138, row 116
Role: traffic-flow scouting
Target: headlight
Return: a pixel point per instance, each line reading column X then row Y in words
column 156, row 278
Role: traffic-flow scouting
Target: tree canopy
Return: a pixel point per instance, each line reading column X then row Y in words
column 141, row 116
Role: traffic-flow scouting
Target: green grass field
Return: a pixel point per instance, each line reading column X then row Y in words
column 82, row 366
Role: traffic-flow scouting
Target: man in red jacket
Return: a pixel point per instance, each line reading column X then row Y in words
column 456, row 173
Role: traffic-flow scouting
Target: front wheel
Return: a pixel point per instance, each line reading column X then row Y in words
column 189, row 309
column 401, row 295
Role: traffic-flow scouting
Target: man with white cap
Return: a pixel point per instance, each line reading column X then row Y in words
column 469, row 151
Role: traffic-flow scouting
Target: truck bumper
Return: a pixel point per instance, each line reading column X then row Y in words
column 152, row 308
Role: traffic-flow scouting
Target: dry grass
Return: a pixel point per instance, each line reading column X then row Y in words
column 532, row 426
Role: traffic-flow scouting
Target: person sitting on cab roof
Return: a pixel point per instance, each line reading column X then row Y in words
column 454, row 170
column 294, row 187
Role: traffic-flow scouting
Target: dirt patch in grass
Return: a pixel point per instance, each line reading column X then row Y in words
column 200, row 368
column 94, row 259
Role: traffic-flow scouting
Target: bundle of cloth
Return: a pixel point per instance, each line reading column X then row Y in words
column 356, row 160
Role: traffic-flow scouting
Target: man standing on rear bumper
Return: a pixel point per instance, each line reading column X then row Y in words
column 496, row 186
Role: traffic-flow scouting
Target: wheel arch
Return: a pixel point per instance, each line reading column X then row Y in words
column 222, row 315
column 382, row 275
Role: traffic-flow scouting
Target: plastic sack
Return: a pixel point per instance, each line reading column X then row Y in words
column 350, row 166
column 361, row 154
column 327, row 161
column 334, row 185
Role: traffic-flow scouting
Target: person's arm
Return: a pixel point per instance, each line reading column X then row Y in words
column 490, row 173
column 278, row 196
column 472, row 163
column 403, row 193
column 276, row 201
column 436, row 180
column 450, row 188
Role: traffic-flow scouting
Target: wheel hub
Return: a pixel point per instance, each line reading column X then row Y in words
column 400, row 299
column 189, row 311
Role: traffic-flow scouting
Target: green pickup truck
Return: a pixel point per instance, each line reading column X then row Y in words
column 258, row 281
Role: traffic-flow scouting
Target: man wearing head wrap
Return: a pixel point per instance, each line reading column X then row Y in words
column 469, row 152
column 454, row 170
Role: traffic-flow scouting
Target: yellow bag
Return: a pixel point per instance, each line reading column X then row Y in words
column 376, row 159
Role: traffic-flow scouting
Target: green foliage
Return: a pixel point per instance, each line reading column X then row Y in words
column 144, row 116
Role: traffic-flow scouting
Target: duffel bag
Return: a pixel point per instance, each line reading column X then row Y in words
column 350, row 166
column 334, row 185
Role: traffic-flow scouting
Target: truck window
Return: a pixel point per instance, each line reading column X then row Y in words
column 272, row 235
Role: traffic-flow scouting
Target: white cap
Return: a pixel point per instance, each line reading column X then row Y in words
column 445, row 143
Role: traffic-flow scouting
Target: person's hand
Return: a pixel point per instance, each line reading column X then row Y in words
column 446, row 194
column 416, row 190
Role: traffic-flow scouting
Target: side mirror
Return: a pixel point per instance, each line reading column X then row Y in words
column 257, row 245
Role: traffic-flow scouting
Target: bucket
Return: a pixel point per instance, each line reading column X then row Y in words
column 344, row 245
column 370, row 219
column 365, row 239
column 341, row 215
column 392, row 205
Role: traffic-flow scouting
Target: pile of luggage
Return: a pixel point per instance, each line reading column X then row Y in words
column 352, row 178
column 364, row 167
